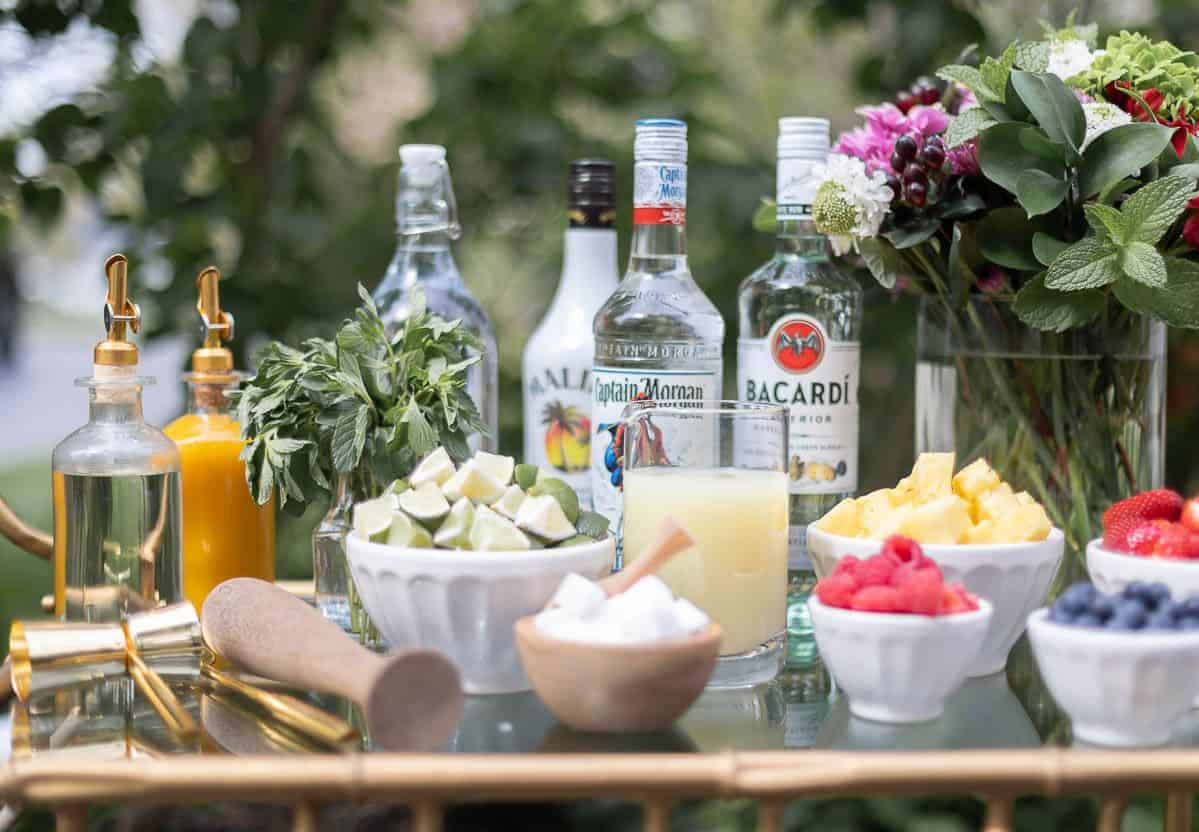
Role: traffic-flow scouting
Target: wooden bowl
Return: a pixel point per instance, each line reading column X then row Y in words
column 617, row 688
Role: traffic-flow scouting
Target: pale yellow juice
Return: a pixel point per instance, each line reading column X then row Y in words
column 737, row 571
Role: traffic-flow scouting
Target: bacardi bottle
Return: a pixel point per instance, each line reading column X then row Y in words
column 799, row 325
column 557, row 360
column 427, row 221
column 658, row 336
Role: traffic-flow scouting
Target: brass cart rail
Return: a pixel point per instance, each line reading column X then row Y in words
column 430, row 783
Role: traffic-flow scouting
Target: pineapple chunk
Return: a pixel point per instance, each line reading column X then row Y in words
column 1026, row 499
column 944, row 520
column 844, row 518
column 930, row 479
column 995, row 504
column 874, row 511
column 1028, row 523
column 985, row 532
column 976, row 478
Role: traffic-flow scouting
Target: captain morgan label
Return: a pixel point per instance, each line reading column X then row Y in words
column 799, row 366
column 659, row 193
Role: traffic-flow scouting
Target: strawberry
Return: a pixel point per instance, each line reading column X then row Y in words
column 1190, row 514
column 1143, row 537
column 921, row 592
column 1176, row 541
column 1121, row 517
column 874, row 571
column 902, row 549
column 876, row 599
column 846, row 565
column 836, row 590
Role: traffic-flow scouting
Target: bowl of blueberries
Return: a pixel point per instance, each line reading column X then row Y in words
column 1125, row 665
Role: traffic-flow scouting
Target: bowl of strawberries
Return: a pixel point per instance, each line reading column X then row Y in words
column 1151, row 536
column 895, row 635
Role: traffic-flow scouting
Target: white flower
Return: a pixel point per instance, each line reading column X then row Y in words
column 1069, row 56
column 850, row 203
column 1101, row 117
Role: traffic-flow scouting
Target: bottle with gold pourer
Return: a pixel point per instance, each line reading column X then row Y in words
column 117, row 507
column 225, row 533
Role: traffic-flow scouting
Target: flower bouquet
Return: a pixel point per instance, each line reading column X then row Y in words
column 1044, row 204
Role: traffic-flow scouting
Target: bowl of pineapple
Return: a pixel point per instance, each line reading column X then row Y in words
column 450, row 558
column 996, row 542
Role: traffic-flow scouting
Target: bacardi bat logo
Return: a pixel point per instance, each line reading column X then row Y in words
column 797, row 345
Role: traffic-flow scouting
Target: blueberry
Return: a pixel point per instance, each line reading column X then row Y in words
column 1131, row 606
column 1077, row 598
column 1147, row 593
column 1191, row 606
column 1060, row 615
column 1088, row 620
column 1130, row 615
column 1161, row 621
column 1103, row 607
column 1189, row 622
column 1170, row 608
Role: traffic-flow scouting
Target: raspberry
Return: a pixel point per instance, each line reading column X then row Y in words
column 902, row 549
column 955, row 598
column 874, row 571
column 846, row 566
column 1175, row 541
column 921, row 592
column 909, row 571
column 876, row 599
column 1143, row 537
column 836, row 590
column 1121, row 517
column 1190, row 514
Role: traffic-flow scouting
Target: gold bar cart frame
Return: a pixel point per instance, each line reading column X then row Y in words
column 430, row 783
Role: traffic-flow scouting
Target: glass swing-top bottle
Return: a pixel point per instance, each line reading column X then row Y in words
column 117, row 525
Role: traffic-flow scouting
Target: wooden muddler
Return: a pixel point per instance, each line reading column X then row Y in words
column 412, row 699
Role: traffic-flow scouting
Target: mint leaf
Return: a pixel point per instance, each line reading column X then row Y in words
column 1046, row 248
column 422, row 437
column 1039, row 193
column 1105, row 221
column 1052, row 104
column 1149, row 213
column 1047, row 309
column 1144, row 264
column 995, row 71
column 968, row 76
column 883, row 261
column 1005, row 238
column 1090, row 263
column 1121, row 151
column 965, row 126
column 766, row 217
column 1176, row 303
column 349, row 438
column 1033, row 55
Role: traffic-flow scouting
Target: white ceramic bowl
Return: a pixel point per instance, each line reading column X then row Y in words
column 463, row 603
column 1119, row 688
column 1014, row 577
column 898, row 668
column 1112, row 571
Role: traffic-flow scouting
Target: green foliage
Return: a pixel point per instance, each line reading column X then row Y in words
column 1142, row 63
column 311, row 414
column 1040, row 307
column 1120, row 152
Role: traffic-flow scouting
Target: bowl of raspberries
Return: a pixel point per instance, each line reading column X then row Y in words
column 877, row 622
column 1123, row 665
column 1152, row 536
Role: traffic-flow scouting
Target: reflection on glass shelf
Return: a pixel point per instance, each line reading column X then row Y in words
column 505, row 722
column 737, row 719
column 809, row 693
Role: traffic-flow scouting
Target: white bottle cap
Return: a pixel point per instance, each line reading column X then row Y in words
column 803, row 138
column 422, row 162
column 660, row 140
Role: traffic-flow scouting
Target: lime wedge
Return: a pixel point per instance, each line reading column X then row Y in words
column 577, row 540
column 499, row 467
column 526, row 475
column 425, row 503
column 405, row 531
column 493, row 533
column 543, row 516
column 592, row 524
column 437, row 467
column 560, row 491
column 455, row 531
column 475, row 483
column 372, row 518
column 509, row 504
column 397, row 487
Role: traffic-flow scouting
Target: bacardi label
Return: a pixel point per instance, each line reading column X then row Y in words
column 797, row 184
column 659, row 193
column 612, row 390
column 798, row 365
column 558, row 423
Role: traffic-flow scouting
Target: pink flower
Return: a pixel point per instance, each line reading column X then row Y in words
column 966, row 98
column 886, row 119
column 963, row 159
column 874, row 142
column 928, row 121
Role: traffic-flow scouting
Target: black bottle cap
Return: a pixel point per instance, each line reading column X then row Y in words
column 591, row 194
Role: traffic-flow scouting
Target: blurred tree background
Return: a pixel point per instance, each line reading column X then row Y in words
column 261, row 137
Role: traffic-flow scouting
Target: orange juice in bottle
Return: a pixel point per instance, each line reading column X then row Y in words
column 225, row 533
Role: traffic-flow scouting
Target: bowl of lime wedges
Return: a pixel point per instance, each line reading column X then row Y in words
column 450, row 558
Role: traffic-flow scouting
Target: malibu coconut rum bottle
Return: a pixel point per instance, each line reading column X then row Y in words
column 799, row 322
column 658, row 336
column 556, row 368
column 427, row 220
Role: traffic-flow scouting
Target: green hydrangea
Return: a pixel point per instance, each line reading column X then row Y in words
column 832, row 211
column 1146, row 63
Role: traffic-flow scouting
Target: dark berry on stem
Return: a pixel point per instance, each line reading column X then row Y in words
column 898, row 163
column 893, row 183
column 905, row 101
column 914, row 173
column 931, row 156
column 906, row 148
column 930, row 95
column 916, row 193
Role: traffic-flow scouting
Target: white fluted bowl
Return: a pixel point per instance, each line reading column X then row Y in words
column 1014, row 577
column 895, row 667
column 463, row 603
column 1119, row 688
column 1112, row 571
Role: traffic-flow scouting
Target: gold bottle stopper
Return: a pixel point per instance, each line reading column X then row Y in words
column 119, row 313
column 212, row 359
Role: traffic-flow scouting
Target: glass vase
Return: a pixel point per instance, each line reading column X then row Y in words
column 1077, row 418
column 336, row 596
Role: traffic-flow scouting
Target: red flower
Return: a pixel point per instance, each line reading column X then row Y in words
column 1185, row 127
